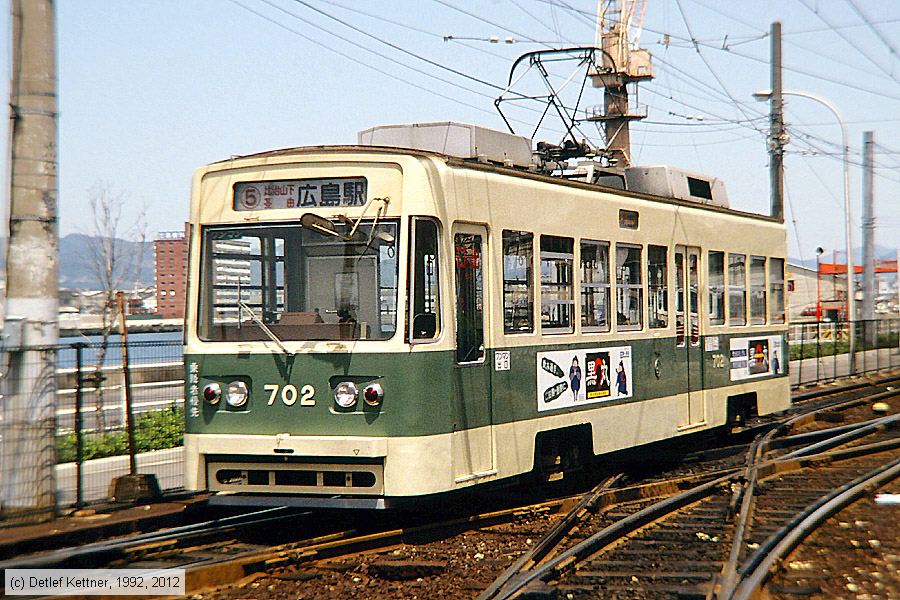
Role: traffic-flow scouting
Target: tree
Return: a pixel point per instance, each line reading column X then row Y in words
column 115, row 256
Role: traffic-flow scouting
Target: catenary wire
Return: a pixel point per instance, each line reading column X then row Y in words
column 850, row 42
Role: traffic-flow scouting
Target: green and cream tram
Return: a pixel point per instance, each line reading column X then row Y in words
column 376, row 322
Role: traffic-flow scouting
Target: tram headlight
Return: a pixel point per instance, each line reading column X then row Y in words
column 345, row 394
column 237, row 394
column 212, row 393
column 373, row 394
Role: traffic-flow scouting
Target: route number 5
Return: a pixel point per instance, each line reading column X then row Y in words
column 289, row 394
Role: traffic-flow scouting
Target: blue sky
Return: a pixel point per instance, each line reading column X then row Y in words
column 151, row 90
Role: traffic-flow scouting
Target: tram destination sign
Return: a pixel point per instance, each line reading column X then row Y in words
column 300, row 193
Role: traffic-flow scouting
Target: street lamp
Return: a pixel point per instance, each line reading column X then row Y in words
column 851, row 295
column 819, row 252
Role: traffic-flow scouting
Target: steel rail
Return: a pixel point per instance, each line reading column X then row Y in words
column 844, row 388
column 553, row 569
column 119, row 546
column 757, row 467
column 215, row 574
column 552, row 538
column 746, row 493
column 864, row 429
column 768, row 556
column 202, row 577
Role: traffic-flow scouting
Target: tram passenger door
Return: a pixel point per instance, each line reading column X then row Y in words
column 687, row 332
column 472, row 439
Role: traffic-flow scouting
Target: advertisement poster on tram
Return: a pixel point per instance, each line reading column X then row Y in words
column 756, row 357
column 567, row 378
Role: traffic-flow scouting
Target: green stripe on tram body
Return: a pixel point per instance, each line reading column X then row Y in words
column 425, row 392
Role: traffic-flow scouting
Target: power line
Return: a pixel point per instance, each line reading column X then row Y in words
column 382, row 19
column 790, row 204
column 836, row 27
column 856, row 86
column 851, row 85
column 357, row 60
column 729, row 17
column 390, row 45
column 817, row 51
column 483, row 20
column 693, row 81
column 441, row 36
column 692, row 143
column 874, row 29
column 383, row 72
column 540, row 22
column 849, row 42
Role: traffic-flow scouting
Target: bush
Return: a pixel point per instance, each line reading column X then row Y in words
column 159, row 430
column 828, row 348
column 825, row 348
column 153, row 431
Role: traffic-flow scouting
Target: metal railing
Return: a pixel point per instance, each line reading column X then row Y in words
column 91, row 440
column 819, row 351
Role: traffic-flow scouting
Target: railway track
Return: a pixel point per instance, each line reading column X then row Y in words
column 721, row 538
column 564, row 552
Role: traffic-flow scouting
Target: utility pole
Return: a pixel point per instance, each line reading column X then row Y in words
column 31, row 327
column 868, row 232
column 776, row 132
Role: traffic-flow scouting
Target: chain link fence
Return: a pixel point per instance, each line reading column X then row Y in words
column 820, row 351
column 84, row 435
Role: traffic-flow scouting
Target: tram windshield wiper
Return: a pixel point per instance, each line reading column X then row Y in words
column 242, row 306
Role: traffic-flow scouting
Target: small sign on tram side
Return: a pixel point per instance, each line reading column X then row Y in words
column 300, row 193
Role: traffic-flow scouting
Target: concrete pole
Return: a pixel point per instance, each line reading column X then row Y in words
column 32, row 300
column 868, row 232
column 776, row 131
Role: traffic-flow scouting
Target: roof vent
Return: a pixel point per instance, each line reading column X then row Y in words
column 453, row 139
column 670, row 182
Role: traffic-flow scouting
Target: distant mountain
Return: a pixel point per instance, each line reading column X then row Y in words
column 75, row 264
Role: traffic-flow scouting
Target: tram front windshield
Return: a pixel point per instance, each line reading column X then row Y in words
column 299, row 283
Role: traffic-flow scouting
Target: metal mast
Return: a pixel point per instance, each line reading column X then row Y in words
column 617, row 21
column 31, row 328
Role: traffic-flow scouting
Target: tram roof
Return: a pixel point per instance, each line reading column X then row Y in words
column 492, row 168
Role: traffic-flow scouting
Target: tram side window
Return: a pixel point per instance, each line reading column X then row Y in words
column 776, row 290
column 716, row 288
column 518, row 282
column 469, row 298
column 757, row 290
column 425, row 323
column 557, row 295
column 594, row 286
column 629, row 290
column 657, row 287
column 737, row 289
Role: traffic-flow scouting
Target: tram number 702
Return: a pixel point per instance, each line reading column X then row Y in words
column 289, row 394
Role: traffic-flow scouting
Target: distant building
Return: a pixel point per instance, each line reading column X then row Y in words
column 170, row 251
column 230, row 273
